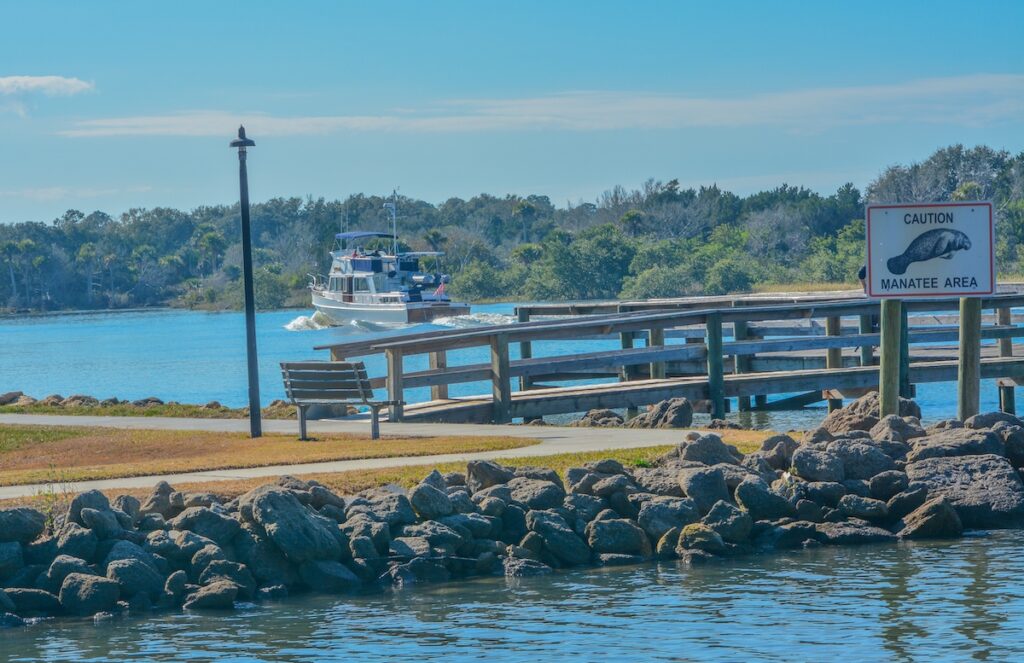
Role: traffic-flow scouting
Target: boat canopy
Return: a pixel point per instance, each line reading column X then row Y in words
column 361, row 234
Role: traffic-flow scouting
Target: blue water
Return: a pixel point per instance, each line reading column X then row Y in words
column 944, row 601
column 196, row 357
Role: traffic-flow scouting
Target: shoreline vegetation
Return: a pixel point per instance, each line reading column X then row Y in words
column 857, row 479
column 661, row 240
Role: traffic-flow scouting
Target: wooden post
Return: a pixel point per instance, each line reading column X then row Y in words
column 906, row 389
column 834, row 356
column 1007, row 403
column 889, row 368
column 969, row 364
column 866, row 354
column 394, row 384
column 626, row 373
column 656, row 337
column 438, row 359
column 501, row 382
column 741, row 363
column 716, row 369
column 525, row 350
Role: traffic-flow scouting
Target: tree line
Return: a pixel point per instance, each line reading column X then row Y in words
column 660, row 240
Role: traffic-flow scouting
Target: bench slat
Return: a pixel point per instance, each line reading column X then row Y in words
column 339, row 394
column 321, row 365
column 326, row 384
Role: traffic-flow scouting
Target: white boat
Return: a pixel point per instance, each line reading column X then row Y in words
column 381, row 287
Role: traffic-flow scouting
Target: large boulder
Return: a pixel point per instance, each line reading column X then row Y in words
column 430, row 502
column 219, row 595
column 618, row 536
column 761, row 502
column 956, row 442
column 778, row 451
column 731, row 523
column 990, row 419
column 536, row 493
column 217, row 527
column 709, row 450
column 704, row 487
column 21, row 524
column 559, row 539
column 661, row 514
column 985, row 490
column 671, row 413
column 77, row 541
column 482, row 474
column 11, row 558
column 896, row 428
column 298, row 532
column 815, row 465
column 135, row 577
column 600, row 418
column 32, row 602
column 61, row 567
column 860, row 461
column 658, row 481
column 86, row 595
column 328, row 576
column 935, row 519
column 864, row 413
column 866, row 508
column 383, row 504
column 853, row 533
column 90, row 499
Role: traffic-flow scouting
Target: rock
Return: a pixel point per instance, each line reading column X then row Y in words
column 618, row 536
column 208, row 523
column 732, row 524
column 990, row 419
column 935, row 519
column 299, row 533
column 482, row 474
column 32, row 602
column 9, row 620
column 21, row 524
column 856, row 506
column 704, row 487
column 778, row 451
column 902, row 503
column 221, row 569
column 786, row 536
column 91, row 499
column 134, row 577
column 518, row 567
column 659, row 515
column 858, row 487
column 541, row 473
column 6, row 604
column 85, row 595
column 416, row 571
column 985, row 490
column 956, row 442
column 77, row 541
column 606, row 466
column 860, row 461
column 658, row 480
column 103, row 523
column 11, row 558
column 709, row 450
column 723, row 424
column 599, row 418
column 893, row 427
column 809, row 511
column 863, row 414
column 698, row 536
column 536, row 493
column 383, row 504
column 436, row 533
column 815, row 465
column 129, row 550
column 10, row 397
column 159, row 501
column 671, row 413
column 219, row 595
column 816, row 436
column 666, row 546
column 886, row 484
column 617, row 483
column 755, row 497
column 129, row 505
column 826, row 493
column 175, row 586
column 61, row 567
column 1013, row 441
column 79, row 400
column 429, row 502
column 53, row 400
column 853, row 533
column 559, row 539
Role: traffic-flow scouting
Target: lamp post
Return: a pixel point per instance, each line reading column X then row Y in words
column 255, row 424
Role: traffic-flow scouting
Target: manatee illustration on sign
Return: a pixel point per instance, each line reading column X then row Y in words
column 938, row 243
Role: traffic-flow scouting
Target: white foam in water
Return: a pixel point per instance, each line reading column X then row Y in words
column 309, row 322
column 474, row 320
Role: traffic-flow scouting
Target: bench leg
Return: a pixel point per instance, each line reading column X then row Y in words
column 374, row 423
column 302, row 422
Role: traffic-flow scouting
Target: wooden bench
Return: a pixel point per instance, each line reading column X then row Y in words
column 330, row 383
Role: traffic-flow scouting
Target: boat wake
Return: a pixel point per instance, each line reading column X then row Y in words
column 309, row 322
column 474, row 320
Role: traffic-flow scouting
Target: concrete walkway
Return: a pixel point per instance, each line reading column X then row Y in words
column 552, row 440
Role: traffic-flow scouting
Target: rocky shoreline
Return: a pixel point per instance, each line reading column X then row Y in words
column 857, row 479
column 277, row 409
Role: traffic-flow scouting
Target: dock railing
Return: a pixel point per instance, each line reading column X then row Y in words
column 708, row 367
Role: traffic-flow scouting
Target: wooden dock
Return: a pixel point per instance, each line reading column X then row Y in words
column 808, row 348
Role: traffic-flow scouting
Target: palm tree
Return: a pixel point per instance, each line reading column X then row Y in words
column 435, row 239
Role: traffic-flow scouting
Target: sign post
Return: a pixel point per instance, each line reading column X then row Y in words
column 930, row 250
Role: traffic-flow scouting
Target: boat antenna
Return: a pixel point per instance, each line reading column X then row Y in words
column 392, row 207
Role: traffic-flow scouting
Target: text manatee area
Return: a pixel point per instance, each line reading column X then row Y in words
column 930, row 250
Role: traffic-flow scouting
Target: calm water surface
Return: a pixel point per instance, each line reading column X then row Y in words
column 923, row 602
column 195, row 357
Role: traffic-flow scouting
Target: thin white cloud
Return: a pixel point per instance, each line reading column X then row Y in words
column 48, row 194
column 52, row 85
column 976, row 100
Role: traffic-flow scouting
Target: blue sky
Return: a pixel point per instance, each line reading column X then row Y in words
column 112, row 105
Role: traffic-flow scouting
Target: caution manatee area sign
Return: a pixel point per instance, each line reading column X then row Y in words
column 930, row 250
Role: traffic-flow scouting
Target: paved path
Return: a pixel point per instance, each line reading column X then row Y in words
column 552, row 440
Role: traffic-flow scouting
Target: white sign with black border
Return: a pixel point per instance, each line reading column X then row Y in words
column 930, row 250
